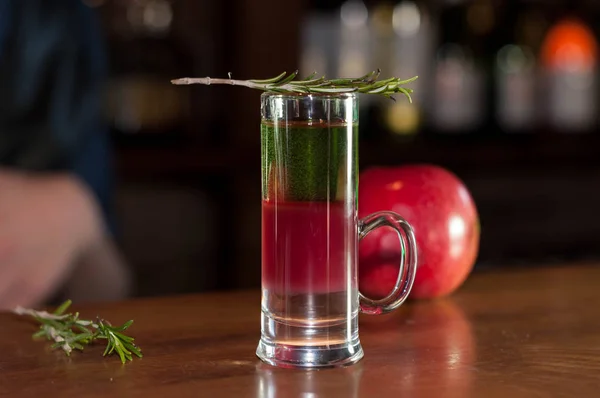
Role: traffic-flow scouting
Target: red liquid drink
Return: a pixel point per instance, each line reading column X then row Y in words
column 309, row 233
column 306, row 247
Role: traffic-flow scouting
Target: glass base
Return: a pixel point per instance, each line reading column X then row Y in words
column 293, row 356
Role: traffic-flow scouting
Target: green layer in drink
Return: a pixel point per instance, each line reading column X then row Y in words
column 307, row 162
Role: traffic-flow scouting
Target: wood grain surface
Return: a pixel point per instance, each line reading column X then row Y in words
column 517, row 333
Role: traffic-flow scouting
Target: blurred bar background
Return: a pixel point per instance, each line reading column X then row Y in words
column 507, row 98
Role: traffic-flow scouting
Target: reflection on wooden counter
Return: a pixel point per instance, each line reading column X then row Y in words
column 518, row 334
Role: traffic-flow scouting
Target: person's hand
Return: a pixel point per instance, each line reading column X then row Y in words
column 47, row 224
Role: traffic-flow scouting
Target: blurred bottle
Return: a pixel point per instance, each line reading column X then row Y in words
column 382, row 35
column 337, row 42
column 354, row 55
column 462, row 67
column 140, row 98
column 569, row 58
column 515, row 66
column 320, row 42
column 411, row 47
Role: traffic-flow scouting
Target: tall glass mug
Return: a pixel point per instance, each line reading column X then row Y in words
column 310, row 233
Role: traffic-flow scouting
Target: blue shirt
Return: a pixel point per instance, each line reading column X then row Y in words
column 52, row 75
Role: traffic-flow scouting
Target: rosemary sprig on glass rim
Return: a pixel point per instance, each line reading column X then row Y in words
column 71, row 333
column 286, row 84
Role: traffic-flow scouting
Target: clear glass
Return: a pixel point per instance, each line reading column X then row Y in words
column 310, row 233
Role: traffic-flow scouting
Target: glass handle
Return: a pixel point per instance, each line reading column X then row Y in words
column 408, row 261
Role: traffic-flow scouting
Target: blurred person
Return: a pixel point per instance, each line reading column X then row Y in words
column 55, row 190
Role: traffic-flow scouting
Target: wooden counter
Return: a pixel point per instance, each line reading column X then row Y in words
column 530, row 333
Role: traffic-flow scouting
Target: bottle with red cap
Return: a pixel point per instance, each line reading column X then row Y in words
column 462, row 72
column 516, row 66
column 569, row 61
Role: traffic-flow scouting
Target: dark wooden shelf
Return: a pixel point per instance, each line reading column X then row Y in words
column 554, row 151
column 559, row 153
column 167, row 162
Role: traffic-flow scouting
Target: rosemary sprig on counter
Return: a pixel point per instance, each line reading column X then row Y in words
column 71, row 333
column 286, row 84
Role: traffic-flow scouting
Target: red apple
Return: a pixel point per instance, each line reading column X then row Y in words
column 443, row 215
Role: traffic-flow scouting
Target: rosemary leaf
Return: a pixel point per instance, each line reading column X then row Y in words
column 68, row 332
column 310, row 77
column 286, row 84
column 63, row 307
column 270, row 81
column 123, row 327
column 310, row 82
column 286, row 80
